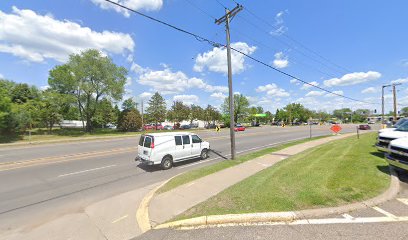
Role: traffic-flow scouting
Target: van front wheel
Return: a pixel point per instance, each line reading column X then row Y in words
column 166, row 163
column 204, row 154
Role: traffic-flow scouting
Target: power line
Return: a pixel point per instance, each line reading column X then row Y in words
column 221, row 4
column 294, row 40
column 200, row 9
column 216, row 44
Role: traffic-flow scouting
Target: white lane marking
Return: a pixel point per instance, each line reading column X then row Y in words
column 120, row 219
column 311, row 222
column 84, row 171
column 384, row 212
column 403, row 200
column 347, row 216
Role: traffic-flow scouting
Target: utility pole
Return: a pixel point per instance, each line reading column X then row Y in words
column 394, row 93
column 382, row 105
column 226, row 18
column 142, row 115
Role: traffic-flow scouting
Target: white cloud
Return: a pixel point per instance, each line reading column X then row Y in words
column 369, row 90
column 353, row 79
column 42, row 88
column 138, row 69
column 294, row 81
column 314, row 93
column 34, row 37
column 128, row 81
column 404, row 62
column 280, row 28
column 307, row 86
column 168, row 82
column 273, row 90
column 280, row 61
column 216, row 59
column 186, row 99
column 1, row 75
column 146, row 95
column 149, row 5
column 335, row 94
column 400, row 80
column 218, row 96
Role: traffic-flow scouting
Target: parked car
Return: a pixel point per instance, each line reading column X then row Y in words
column 385, row 138
column 147, row 127
column 238, row 128
column 167, row 148
column 185, row 127
column 255, row 124
column 398, row 154
column 168, row 127
column 364, row 127
column 157, row 126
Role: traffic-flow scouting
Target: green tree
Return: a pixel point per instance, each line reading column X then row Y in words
column 132, row 120
column 89, row 77
column 196, row 112
column 105, row 113
column 178, row 112
column 211, row 115
column 22, row 92
column 241, row 105
column 5, row 112
column 297, row 112
column 342, row 113
column 156, row 110
column 129, row 104
column 51, row 107
column 404, row 111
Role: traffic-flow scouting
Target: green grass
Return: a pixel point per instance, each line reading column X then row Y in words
column 204, row 171
column 336, row 173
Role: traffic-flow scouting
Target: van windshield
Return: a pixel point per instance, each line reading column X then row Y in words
column 400, row 122
column 148, row 142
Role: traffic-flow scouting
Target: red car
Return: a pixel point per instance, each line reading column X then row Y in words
column 147, row 127
column 364, row 127
column 158, row 126
column 239, row 127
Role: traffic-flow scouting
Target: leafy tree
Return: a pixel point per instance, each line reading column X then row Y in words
column 26, row 116
column 105, row 113
column 269, row 116
column 211, row 114
column 361, row 115
column 404, row 111
column 129, row 104
column 156, row 110
column 132, row 120
column 5, row 111
column 178, row 112
column 297, row 112
column 241, row 105
column 51, row 108
column 342, row 113
column 21, row 93
column 90, row 77
column 197, row 112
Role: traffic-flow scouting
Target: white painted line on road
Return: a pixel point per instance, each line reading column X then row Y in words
column 384, row 212
column 403, row 200
column 120, row 219
column 84, row 171
column 347, row 216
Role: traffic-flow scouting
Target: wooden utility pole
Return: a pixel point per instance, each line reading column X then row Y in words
column 226, row 18
column 394, row 94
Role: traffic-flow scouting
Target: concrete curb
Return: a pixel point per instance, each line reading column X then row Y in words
column 389, row 194
column 142, row 214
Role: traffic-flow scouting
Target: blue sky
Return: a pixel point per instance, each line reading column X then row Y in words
column 360, row 45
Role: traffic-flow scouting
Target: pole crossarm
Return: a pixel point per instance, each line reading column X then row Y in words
column 231, row 14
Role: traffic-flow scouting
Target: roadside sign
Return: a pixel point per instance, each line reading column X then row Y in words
column 217, row 128
column 336, row 128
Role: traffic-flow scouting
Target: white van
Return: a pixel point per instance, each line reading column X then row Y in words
column 168, row 148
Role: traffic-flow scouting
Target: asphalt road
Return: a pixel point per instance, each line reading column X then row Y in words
column 43, row 182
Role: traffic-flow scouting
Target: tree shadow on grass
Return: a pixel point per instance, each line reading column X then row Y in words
column 378, row 154
column 9, row 138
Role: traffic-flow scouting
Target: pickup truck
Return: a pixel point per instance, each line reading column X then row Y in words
column 398, row 154
column 399, row 123
column 385, row 138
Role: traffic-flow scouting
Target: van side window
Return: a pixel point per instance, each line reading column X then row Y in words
column 141, row 140
column 148, row 142
column 196, row 139
column 186, row 140
column 178, row 140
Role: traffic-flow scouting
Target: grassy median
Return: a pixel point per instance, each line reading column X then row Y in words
column 204, row 171
column 333, row 174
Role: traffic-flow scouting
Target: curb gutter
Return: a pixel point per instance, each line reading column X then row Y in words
column 389, row 194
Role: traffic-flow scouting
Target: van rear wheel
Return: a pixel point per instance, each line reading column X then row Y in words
column 167, row 163
column 204, row 154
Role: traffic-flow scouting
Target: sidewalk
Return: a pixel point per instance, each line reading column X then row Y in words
column 166, row 206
